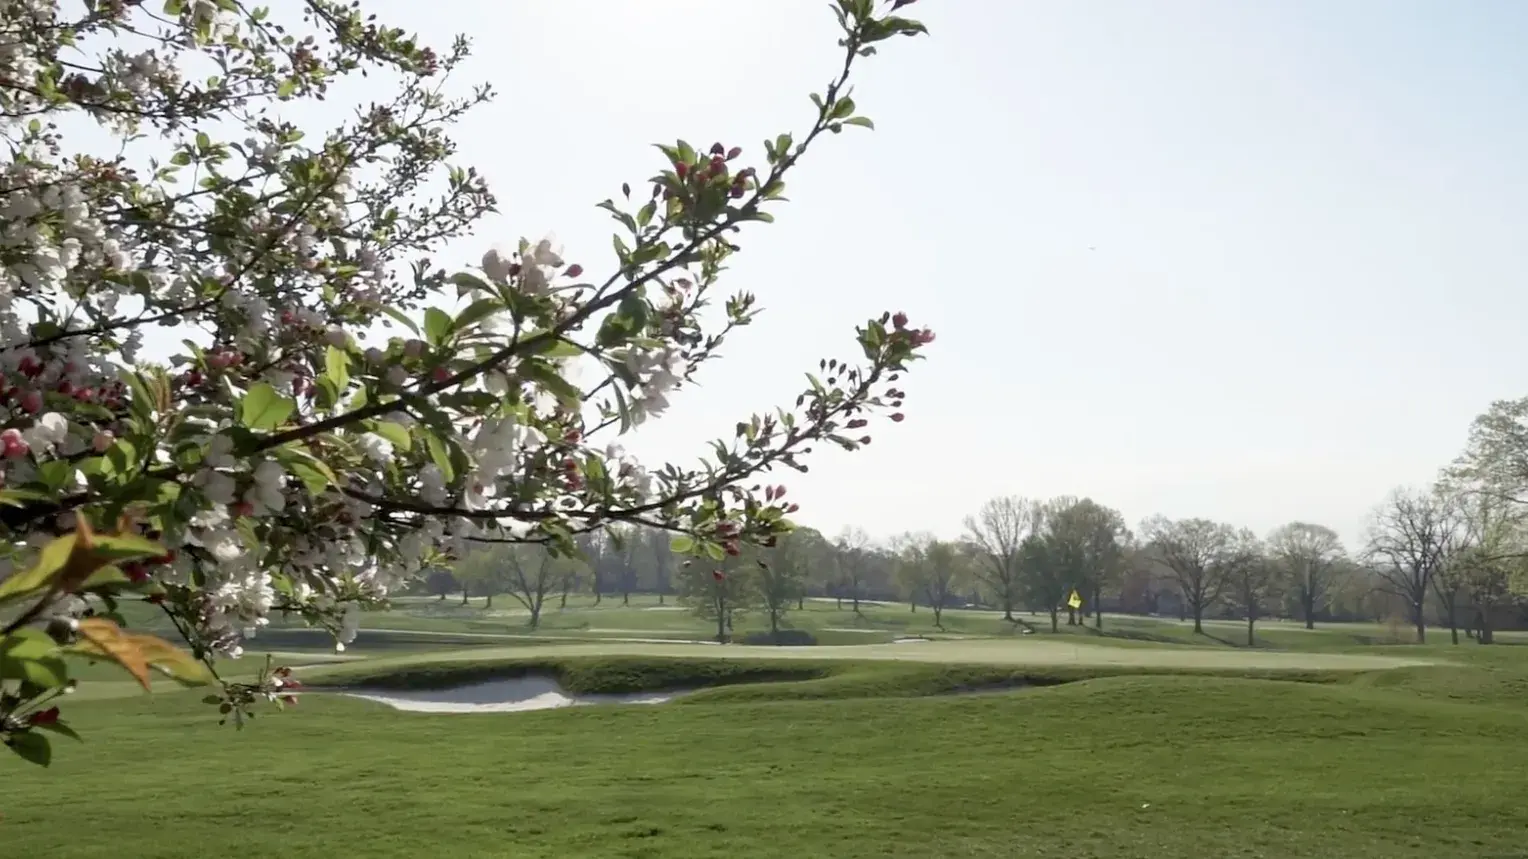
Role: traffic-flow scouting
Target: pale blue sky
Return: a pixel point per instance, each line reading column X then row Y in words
column 1308, row 220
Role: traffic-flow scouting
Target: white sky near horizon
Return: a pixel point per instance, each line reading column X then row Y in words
column 1254, row 262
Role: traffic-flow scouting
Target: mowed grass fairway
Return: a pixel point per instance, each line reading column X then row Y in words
column 1096, row 747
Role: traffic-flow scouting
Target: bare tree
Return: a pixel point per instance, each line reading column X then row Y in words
column 932, row 570
column 1253, row 578
column 854, row 562
column 1410, row 537
column 998, row 532
column 781, row 577
column 1311, row 557
column 533, row 573
column 1194, row 554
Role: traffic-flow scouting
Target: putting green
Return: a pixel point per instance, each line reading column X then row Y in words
column 970, row 652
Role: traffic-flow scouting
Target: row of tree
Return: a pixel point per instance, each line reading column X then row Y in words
column 1455, row 554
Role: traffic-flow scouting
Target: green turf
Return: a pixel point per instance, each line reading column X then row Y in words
column 1120, row 766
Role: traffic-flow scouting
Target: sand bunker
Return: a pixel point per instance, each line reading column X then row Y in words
column 500, row 696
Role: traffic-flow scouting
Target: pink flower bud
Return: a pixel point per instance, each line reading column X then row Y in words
column 574, row 270
column 31, row 402
column 12, row 445
column 102, row 442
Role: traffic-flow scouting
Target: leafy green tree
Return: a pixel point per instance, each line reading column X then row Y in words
column 1047, row 572
column 1311, row 558
column 1090, row 539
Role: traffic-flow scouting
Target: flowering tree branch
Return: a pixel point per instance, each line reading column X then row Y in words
column 299, row 456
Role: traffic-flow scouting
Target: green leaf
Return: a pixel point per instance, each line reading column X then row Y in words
column 32, row 746
column 337, row 367
column 286, row 88
column 843, row 108
column 398, row 316
column 714, row 551
column 315, row 475
column 861, row 121
column 173, row 8
column 396, row 434
column 439, row 454
column 437, row 324
column 566, row 392
column 31, row 655
column 54, row 473
column 50, row 561
column 125, row 547
column 21, row 497
column 476, row 312
column 683, row 544
column 264, row 409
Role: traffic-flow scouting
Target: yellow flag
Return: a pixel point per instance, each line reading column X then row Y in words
column 1074, row 601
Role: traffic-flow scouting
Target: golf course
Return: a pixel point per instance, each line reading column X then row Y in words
column 1150, row 742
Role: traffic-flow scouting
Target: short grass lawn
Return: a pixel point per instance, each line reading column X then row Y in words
column 1124, row 766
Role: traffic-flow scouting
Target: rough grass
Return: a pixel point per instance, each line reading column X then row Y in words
column 1119, row 766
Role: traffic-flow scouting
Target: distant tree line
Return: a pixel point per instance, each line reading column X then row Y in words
column 1451, row 555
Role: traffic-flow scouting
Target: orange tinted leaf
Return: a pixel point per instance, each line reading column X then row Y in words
column 101, row 637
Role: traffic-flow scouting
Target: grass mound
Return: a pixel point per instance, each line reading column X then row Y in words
column 585, row 676
column 752, row 680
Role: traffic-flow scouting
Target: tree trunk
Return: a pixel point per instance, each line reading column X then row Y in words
column 914, row 604
column 1453, row 625
column 1251, row 621
column 801, row 603
column 535, row 621
column 938, row 620
column 856, row 601
column 1008, row 611
column 464, row 594
column 1421, row 626
column 488, row 603
column 625, row 597
column 1098, row 612
column 1308, row 606
column 840, row 599
column 1483, row 623
column 660, row 595
column 1198, row 620
column 442, row 596
column 1055, row 620
column 774, row 622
